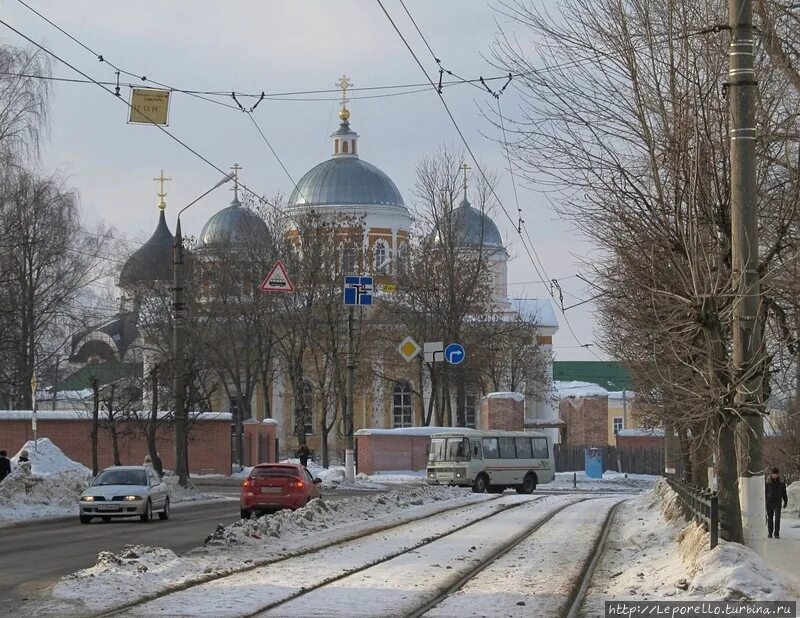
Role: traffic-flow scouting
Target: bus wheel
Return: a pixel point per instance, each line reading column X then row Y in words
column 479, row 486
column 528, row 485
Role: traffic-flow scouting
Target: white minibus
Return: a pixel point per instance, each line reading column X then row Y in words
column 490, row 460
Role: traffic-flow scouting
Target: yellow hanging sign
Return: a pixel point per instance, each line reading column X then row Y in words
column 149, row 106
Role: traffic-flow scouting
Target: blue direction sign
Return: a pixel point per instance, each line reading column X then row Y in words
column 454, row 353
column 358, row 290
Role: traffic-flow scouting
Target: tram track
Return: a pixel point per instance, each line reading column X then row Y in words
column 288, row 599
column 540, row 593
column 212, row 577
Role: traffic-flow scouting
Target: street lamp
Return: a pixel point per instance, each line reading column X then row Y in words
column 181, row 420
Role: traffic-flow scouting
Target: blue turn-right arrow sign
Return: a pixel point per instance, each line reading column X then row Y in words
column 455, row 354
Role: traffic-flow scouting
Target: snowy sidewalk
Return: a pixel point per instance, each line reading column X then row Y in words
column 782, row 553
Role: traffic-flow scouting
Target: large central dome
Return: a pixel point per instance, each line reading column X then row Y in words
column 344, row 181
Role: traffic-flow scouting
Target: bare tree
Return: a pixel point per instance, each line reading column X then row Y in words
column 47, row 261
column 23, row 103
column 633, row 132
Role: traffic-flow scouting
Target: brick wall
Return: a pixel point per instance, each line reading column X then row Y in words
column 209, row 442
column 384, row 453
column 586, row 419
column 256, row 432
column 503, row 413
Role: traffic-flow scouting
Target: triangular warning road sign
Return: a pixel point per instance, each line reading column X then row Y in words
column 277, row 280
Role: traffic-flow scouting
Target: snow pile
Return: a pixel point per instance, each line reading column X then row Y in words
column 652, row 554
column 319, row 515
column 130, row 561
column 47, row 458
column 611, row 481
column 47, row 486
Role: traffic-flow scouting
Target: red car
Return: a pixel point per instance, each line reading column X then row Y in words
column 277, row 486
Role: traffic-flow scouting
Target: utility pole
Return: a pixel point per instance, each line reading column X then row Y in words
column 177, row 351
column 747, row 340
column 349, row 448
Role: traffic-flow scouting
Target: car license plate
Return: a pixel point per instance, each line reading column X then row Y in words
column 108, row 507
column 272, row 490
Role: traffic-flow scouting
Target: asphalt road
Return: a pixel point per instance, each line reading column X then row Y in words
column 35, row 555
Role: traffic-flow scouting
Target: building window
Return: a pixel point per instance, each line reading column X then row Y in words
column 470, row 413
column 349, row 259
column 354, row 146
column 305, row 411
column 618, row 424
column 401, row 405
column 381, row 258
column 344, row 146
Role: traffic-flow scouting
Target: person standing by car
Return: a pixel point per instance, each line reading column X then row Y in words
column 775, row 493
column 303, row 454
column 5, row 465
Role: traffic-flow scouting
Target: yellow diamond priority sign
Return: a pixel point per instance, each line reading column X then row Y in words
column 408, row 348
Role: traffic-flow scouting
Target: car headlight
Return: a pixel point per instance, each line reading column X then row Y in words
column 132, row 498
column 87, row 498
column 458, row 475
column 431, row 474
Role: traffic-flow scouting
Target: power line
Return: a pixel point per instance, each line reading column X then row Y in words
column 158, row 126
column 540, row 273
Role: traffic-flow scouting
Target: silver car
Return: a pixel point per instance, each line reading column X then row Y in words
column 125, row 491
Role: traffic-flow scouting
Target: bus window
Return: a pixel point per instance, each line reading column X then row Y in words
column 540, row 450
column 437, row 450
column 524, row 450
column 507, row 448
column 490, row 448
column 476, row 449
column 457, row 449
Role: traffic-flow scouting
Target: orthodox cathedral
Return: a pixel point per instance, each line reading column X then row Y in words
column 343, row 185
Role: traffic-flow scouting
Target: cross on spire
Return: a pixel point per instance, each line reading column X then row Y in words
column 344, row 84
column 465, row 167
column 161, row 193
column 235, row 189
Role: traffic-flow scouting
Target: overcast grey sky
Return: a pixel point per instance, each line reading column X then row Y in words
column 281, row 46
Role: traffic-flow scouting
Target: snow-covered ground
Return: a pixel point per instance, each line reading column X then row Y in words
column 542, row 585
column 141, row 571
column 49, row 485
column 611, row 481
column 652, row 554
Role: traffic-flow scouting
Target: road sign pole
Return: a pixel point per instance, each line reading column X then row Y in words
column 349, row 459
column 34, row 420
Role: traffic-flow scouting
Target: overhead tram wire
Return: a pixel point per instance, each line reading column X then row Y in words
column 173, row 137
column 477, row 164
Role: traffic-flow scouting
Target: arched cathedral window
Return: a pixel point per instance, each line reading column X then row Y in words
column 381, row 257
column 402, row 411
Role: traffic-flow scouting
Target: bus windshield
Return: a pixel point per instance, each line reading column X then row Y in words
column 449, row 449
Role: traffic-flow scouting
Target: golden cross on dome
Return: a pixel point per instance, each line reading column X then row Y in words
column 344, row 84
column 235, row 189
column 161, row 193
column 465, row 167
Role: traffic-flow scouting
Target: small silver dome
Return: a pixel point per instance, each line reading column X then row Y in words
column 233, row 225
column 474, row 227
column 345, row 181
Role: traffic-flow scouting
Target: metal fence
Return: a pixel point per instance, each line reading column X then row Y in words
column 699, row 504
column 630, row 460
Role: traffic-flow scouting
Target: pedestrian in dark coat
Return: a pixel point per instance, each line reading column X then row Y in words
column 303, row 453
column 775, row 493
column 5, row 465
